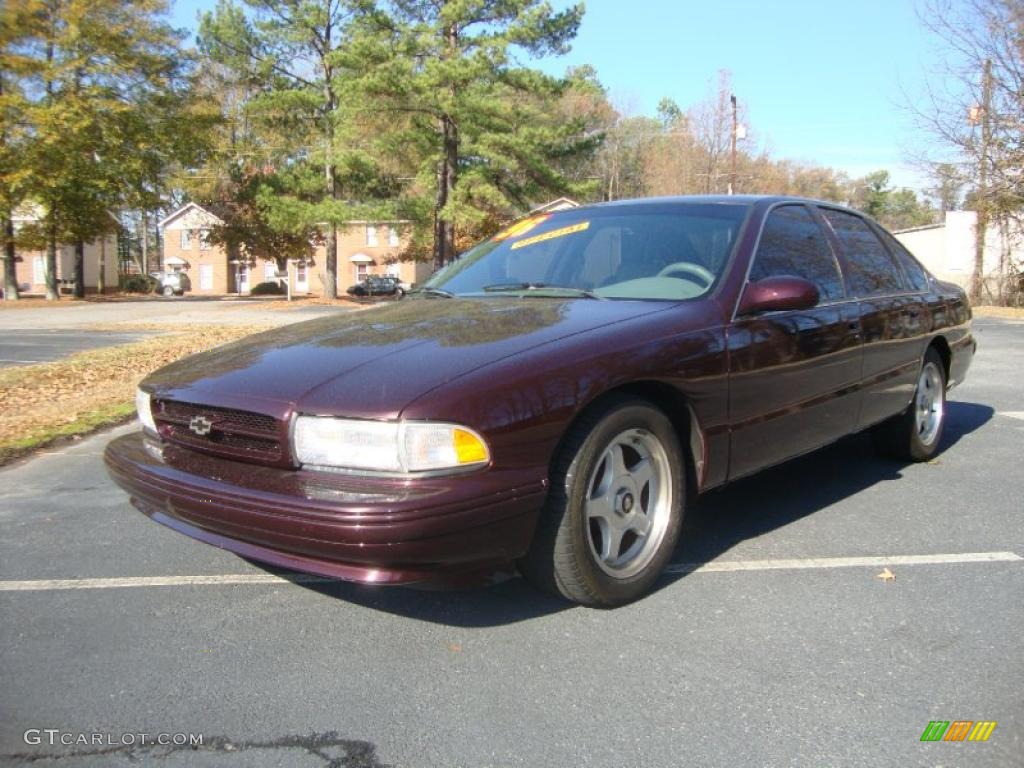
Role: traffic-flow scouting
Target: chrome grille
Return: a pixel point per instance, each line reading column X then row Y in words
column 224, row 431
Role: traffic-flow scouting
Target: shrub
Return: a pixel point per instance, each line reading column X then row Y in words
column 138, row 284
column 269, row 288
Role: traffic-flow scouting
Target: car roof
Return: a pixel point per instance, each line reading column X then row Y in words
column 744, row 200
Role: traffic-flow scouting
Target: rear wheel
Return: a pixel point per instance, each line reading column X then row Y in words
column 168, row 291
column 914, row 435
column 614, row 510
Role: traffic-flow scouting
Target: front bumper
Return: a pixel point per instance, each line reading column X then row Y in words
column 359, row 529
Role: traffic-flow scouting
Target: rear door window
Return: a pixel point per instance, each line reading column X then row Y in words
column 792, row 244
column 873, row 270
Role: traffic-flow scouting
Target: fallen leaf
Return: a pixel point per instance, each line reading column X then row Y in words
column 886, row 575
column 455, row 648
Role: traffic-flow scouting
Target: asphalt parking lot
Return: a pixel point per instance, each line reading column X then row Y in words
column 151, row 311
column 772, row 641
column 42, row 346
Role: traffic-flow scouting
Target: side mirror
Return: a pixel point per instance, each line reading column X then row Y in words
column 778, row 293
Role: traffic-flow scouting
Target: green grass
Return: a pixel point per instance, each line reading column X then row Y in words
column 91, row 421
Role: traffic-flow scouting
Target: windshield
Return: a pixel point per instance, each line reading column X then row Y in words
column 670, row 251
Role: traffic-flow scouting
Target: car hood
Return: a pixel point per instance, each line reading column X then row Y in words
column 371, row 364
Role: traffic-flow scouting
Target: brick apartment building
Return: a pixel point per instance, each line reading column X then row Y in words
column 364, row 248
column 30, row 267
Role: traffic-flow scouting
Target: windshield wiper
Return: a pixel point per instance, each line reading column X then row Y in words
column 428, row 291
column 520, row 287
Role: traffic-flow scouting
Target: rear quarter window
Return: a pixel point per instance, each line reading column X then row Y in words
column 917, row 276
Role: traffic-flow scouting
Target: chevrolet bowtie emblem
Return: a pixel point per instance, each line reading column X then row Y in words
column 200, row 425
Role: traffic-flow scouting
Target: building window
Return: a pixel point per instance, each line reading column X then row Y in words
column 186, row 240
column 204, row 239
column 362, row 270
column 393, row 239
column 38, row 271
column 300, row 273
column 371, row 234
column 269, row 272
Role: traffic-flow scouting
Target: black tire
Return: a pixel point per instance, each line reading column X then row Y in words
column 168, row 291
column 563, row 557
column 399, row 293
column 904, row 436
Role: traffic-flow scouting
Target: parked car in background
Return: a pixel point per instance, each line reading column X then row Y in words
column 171, row 283
column 555, row 397
column 378, row 285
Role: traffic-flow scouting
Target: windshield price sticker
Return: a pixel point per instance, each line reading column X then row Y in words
column 582, row 226
column 521, row 227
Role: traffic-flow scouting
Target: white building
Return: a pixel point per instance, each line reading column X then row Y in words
column 947, row 249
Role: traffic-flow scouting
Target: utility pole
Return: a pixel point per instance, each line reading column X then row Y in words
column 735, row 129
column 981, row 227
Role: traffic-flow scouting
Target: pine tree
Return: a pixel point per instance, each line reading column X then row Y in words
column 292, row 51
column 445, row 72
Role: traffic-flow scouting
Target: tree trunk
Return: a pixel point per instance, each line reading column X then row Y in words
column 101, row 267
column 444, row 228
column 330, row 170
column 331, row 263
column 10, row 265
column 79, row 269
column 52, row 291
column 145, row 243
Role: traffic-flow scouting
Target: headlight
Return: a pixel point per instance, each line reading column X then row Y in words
column 387, row 446
column 144, row 407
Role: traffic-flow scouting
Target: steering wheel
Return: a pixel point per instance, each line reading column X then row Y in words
column 690, row 269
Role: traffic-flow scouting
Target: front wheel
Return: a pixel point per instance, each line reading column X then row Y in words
column 614, row 510
column 914, row 435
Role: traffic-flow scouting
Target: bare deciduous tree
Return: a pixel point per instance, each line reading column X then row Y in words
column 973, row 105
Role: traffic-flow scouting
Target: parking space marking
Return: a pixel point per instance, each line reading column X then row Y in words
column 727, row 566
column 46, row 585
column 1013, row 414
column 716, row 566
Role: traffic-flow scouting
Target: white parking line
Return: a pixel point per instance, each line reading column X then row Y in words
column 1013, row 414
column 724, row 566
column 45, row 585
column 715, row 566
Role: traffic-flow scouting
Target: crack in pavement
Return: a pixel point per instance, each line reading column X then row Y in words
column 357, row 754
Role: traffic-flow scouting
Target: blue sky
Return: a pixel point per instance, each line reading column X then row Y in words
column 821, row 81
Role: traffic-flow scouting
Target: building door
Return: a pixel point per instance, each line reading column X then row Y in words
column 243, row 278
column 206, row 277
column 301, row 277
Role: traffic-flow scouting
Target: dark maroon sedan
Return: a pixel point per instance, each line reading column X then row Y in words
column 554, row 397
